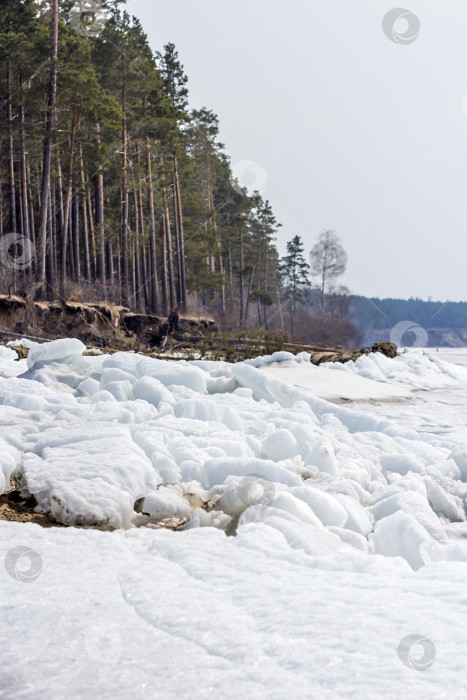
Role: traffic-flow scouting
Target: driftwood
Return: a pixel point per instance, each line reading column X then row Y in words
column 23, row 335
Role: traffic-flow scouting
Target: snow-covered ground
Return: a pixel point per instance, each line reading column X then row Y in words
column 314, row 540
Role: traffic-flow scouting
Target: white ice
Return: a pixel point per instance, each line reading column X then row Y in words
column 231, row 531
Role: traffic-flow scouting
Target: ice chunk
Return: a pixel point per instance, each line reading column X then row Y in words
column 174, row 373
column 324, row 505
column 444, row 503
column 280, row 445
column 88, row 387
column 459, row 455
column 322, row 456
column 102, row 395
column 359, row 519
column 121, row 390
column 206, row 409
column 7, row 353
column 314, row 540
column 446, row 468
column 125, row 361
column 264, row 386
column 215, row 471
column 221, row 385
column 416, row 505
column 402, row 464
column 21, row 342
column 166, row 503
column 114, row 374
column 10, row 459
column 56, row 350
column 401, row 535
column 200, row 518
column 351, row 538
column 153, row 391
column 303, row 357
column 296, row 507
column 26, row 402
column 90, row 477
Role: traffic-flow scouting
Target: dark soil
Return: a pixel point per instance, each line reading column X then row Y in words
column 16, row 509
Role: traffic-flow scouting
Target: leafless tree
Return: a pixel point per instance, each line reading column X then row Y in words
column 328, row 260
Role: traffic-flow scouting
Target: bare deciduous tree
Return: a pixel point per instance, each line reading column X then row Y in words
column 328, row 260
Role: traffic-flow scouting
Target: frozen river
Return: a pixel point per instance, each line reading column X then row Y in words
column 263, row 529
column 438, row 411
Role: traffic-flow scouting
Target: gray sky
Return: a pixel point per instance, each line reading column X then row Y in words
column 353, row 132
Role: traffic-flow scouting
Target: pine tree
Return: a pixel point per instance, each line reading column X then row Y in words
column 174, row 81
column 126, row 194
column 295, row 274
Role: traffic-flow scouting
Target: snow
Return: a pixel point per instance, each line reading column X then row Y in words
column 10, row 459
column 323, row 382
column 21, row 342
column 371, row 376
column 142, row 616
column 7, row 354
column 232, row 531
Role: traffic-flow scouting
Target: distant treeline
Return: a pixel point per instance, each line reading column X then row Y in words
column 377, row 313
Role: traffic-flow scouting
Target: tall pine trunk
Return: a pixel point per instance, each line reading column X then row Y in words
column 100, row 224
column 11, row 153
column 181, row 235
column 47, row 150
column 124, row 215
column 168, row 262
column 165, row 280
column 242, row 301
column 83, row 197
column 154, row 281
column 250, row 285
column 24, row 179
column 67, row 212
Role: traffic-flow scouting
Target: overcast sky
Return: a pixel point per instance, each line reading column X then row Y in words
column 350, row 131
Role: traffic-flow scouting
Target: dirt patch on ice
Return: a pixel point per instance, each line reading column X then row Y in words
column 14, row 508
